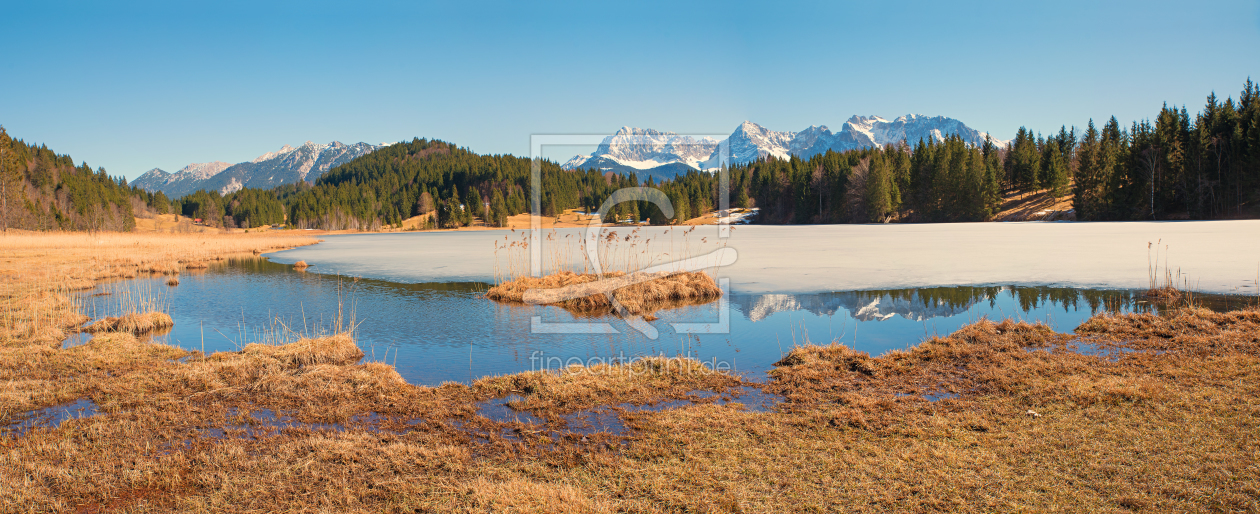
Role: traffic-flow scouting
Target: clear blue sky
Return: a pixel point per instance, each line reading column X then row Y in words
column 136, row 85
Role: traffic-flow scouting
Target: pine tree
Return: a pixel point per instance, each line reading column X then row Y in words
column 8, row 175
column 498, row 209
column 1024, row 161
column 878, row 182
column 1054, row 170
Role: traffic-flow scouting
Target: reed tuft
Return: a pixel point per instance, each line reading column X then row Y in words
column 133, row 323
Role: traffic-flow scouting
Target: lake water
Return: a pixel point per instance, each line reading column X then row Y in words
column 437, row 331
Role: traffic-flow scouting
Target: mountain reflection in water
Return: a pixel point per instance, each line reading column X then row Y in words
column 922, row 304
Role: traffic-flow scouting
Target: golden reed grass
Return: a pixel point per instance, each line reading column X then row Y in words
column 40, row 271
column 137, row 323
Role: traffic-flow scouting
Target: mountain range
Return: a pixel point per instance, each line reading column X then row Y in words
column 665, row 154
column 285, row 166
column 646, row 152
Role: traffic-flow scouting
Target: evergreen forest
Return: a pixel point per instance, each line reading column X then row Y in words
column 1174, row 165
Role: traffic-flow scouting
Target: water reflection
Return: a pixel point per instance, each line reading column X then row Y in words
column 935, row 302
column 436, row 332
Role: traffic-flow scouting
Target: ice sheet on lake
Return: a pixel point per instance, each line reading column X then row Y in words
column 1212, row 256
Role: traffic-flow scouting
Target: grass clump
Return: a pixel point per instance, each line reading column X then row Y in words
column 335, row 349
column 640, row 381
column 640, row 294
column 133, row 323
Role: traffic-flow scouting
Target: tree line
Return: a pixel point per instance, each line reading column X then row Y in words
column 43, row 190
column 1178, row 166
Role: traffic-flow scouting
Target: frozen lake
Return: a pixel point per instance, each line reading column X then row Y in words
column 1211, row 256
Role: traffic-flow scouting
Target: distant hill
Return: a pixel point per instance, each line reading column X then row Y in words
column 43, row 190
column 286, row 166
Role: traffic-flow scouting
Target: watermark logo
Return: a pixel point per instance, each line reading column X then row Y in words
column 683, row 364
column 594, row 231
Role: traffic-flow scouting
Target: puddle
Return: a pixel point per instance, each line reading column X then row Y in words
column 76, row 339
column 932, row 397
column 497, row 410
column 756, row 400
column 938, row 396
column 594, row 421
column 1111, row 353
column 1100, row 348
column 51, row 417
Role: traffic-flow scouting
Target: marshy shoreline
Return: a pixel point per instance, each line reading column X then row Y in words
column 1130, row 412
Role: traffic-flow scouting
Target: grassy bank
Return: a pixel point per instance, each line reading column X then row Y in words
column 1130, row 413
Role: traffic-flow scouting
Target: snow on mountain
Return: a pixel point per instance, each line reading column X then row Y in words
column 665, row 153
column 646, row 149
column 188, row 177
column 284, row 166
column 751, row 141
column 205, row 170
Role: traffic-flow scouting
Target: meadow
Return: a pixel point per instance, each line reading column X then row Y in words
column 1158, row 415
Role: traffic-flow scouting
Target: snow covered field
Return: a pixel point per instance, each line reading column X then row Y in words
column 1211, row 256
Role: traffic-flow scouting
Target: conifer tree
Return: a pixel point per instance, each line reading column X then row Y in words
column 878, row 194
column 8, row 175
column 1054, row 170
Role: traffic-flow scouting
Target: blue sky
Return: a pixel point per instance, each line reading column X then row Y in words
column 136, row 85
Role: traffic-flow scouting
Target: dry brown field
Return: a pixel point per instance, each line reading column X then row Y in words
column 998, row 416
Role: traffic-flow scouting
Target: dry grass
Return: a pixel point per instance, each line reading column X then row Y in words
column 1038, row 206
column 1166, row 422
column 336, row 349
column 670, row 290
column 137, row 323
column 301, row 265
column 643, row 381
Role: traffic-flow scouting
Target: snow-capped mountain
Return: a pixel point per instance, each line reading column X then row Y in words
column 751, row 141
column 285, row 166
column 187, row 178
column 645, row 150
column 664, row 154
